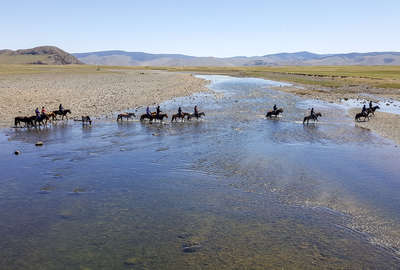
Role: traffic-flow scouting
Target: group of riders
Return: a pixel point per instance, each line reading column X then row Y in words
column 180, row 113
column 43, row 112
column 364, row 110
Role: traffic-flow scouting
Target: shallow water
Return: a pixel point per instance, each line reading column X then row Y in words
column 243, row 191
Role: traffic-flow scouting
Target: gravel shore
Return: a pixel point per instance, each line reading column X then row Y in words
column 94, row 94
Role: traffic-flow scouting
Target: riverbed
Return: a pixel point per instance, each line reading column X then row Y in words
column 231, row 190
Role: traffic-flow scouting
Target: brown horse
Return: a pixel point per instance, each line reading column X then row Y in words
column 274, row 113
column 42, row 119
column 52, row 115
column 146, row 116
column 160, row 117
column 312, row 117
column 23, row 119
column 62, row 113
column 181, row 116
column 199, row 115
column 125, row 115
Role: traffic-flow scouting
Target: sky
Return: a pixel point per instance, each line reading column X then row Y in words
column 203, row 28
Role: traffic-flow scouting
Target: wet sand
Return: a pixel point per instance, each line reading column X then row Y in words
column 93, row 94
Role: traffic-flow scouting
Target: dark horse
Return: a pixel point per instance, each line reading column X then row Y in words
column 125, row 115
column 199, row 115
column 62, row 113
column 365, row 115
column 312, row 117
column 27, row 120
column 42, row 119
column 373, row 109
column 181, row 116
column 86, row 120
column 160, row 117
column 274, row 113
column 146, row 116
column 153, row 116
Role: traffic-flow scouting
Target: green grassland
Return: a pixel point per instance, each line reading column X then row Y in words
column 328, row 76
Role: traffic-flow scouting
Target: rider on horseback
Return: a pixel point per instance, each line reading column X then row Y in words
column 179, row 112
column 312, row 113
column 364, row 110
column 370, row 104
column 61, row 108
column 148, row 112
column 196, row 112
column 43, row 111
column 275, row 108
column 37, row 113
column 158, row 111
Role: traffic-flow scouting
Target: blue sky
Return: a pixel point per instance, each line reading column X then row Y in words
column 203, row 28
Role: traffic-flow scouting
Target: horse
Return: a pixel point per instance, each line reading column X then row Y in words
column 27, row 120
column 199, row 115
column 86, row 120
column 62, row 113
column 160, row 116
column 373, row 109
column 125, row 115
column 274, row 113
column 43, row 118
column 52, row 115
column 181, row 116
column 365, row 115
column 146, row 116
column 312, row 117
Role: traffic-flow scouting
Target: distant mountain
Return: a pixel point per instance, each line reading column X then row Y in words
column 44, row 55
column 119, row 58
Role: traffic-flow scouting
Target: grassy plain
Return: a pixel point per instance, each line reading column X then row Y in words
column 326, row 76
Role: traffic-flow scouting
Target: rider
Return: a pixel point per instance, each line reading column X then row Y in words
column 312, row 112
column 370, row 104
column 275, row 108
column 158, row 110
column 364, row 109
column 43, row 110
column 179, row 111
column 148, row 111
column 37, row 113
column 61, row 108
column 196, row 112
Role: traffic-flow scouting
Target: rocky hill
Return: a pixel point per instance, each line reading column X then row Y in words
column 44, row 55
column 120, row 58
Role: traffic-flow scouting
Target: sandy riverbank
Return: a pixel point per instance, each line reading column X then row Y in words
column 385, row 124
column 94, row 94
